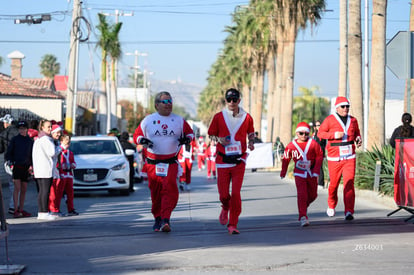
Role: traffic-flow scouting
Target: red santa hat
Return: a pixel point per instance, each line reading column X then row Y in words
column 303, row 127
column 56, row 128
column 340, row 101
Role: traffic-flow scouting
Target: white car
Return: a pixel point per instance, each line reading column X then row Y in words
column 101, row 164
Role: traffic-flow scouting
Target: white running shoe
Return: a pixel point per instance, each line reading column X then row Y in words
column 46, row 216
column 330, row 212
column 304, row 221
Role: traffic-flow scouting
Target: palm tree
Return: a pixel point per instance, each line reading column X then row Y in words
column 297, row 14
column 103, row 43
column 376, row 118
column 355, row 61
column 343, row 48
column 114, row 51
column 49, row 67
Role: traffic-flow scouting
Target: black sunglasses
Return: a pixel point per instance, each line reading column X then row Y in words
column 345, row 106
column 166, row 101
column 303, row 133
column 230, row 99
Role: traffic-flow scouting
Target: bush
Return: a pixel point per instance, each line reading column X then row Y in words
column 365, row 169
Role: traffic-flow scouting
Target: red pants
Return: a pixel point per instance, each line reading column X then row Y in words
column 346, row 170
column 307, row 191
column 187, row 165
column 56, row 193
column 164, row 191
column 211, row 168
column 201, row 160
column 231, row 202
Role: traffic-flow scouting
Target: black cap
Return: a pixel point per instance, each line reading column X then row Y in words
column 232, row 93
column 22, row 123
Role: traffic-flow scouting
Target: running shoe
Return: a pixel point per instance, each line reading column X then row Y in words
column 165, row 226
column 233, row 230
column 157, row 225
column 224, row 216
column 330, row 212
column 349, row 216
column 304, row 221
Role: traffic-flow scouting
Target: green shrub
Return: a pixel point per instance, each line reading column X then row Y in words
column 365, row 169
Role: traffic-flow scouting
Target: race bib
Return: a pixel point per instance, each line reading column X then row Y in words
column 161, row 169
column 233, row 149
column 303, row 165
column 345, row 151
column 187, row 154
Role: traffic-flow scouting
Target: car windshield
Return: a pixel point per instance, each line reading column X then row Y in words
column 94, row 147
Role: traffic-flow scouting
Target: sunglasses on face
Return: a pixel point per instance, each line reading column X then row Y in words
column 345, row 106
column 317, row 125
column 230, row 99
column 303, row 134
column 166, row 101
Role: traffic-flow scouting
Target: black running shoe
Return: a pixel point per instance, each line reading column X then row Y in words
column 157, row 225
column 165, row 226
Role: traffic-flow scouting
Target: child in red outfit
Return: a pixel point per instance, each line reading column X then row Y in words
column 308, row 156
column 211, row 160
column 66, row 162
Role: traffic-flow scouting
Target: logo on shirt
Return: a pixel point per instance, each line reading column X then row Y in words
column 164, row 126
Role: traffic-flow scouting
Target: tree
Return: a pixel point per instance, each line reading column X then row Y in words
column 376, row 118
column 308, row 107
column 115, row 52
column 1, row 61
column 103, row 44
column 49, row 67
column 343, row 48
column 355, row 61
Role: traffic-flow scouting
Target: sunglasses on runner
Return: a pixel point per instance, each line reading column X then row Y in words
column 230, row 99
column 345, row 106
column 166, row 101
column 303, row 133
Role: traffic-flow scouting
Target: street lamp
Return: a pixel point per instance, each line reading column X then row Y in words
column 136, row 67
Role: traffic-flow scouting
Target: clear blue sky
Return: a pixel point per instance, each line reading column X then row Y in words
column 182, row 39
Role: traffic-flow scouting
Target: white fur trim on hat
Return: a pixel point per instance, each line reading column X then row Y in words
column 340, row 101
column 303, row 127
column 56, row 128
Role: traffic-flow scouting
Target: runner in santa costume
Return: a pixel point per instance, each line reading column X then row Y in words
column 162, row 133
column 201, row 153
column 211, row 153
column 231, row 128
column 308, row 157
column 185, row 158
column 342, row 133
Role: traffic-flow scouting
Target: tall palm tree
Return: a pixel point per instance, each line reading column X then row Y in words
column 103, row 44
column 355, row 61
column 114, row 51
column 49, row 67
column 343, row 48
column 297, row 13
column 376, row 118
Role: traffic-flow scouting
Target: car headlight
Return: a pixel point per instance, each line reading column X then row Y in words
column 120, row 166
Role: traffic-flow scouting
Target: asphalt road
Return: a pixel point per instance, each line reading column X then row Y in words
column 113, row 235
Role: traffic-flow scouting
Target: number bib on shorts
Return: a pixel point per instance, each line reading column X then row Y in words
column 233, row 148
column 345, row 151
column 161, row 169
column 303, row 165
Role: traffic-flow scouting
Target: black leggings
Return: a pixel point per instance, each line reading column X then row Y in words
column 43, row 196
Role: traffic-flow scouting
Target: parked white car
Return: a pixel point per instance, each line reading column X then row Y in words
column 101, row 164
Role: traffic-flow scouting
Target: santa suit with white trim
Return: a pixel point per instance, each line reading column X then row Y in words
column 185, row 158
column 164, row 132
column 308, row 158
column 211, row 159
column 235, row 129
column 201, row 153
column 341, row 140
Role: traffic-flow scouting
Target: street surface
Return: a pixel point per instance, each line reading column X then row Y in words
column 113, row 235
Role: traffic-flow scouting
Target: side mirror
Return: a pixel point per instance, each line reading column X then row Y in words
column 129, row 152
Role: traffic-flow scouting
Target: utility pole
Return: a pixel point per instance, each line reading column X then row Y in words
column 72, row 86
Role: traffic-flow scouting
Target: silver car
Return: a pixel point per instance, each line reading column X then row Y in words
column 101, row 164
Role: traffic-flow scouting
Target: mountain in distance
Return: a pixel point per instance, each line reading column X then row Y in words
column 185, row 95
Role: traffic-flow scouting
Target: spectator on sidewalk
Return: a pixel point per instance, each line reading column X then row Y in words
column 404, row 130
column 19, row 155
column 6, row 136
column 126, row 145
